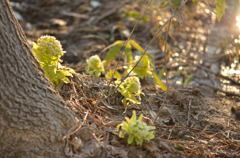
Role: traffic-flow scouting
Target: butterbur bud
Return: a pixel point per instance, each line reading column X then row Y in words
column 133, row 85
column 48, row 51
column 131, row 90
column 95, row 66
column 50, row 46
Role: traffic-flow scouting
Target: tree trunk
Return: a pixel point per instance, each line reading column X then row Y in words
column 33, row 118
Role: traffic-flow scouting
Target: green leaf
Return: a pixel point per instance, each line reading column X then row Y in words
column 130, row 139
column 136, row 130
column 114, row 50
column 136, row 46
column 128, row 53
column 176, row 2
column 113, row 74
column 137, row 15
column 220, row 8
column 143, row 67
column 158, row 81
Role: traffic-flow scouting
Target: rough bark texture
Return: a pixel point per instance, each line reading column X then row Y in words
column 33, row 118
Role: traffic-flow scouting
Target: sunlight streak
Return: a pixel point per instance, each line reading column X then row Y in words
column 238, row 21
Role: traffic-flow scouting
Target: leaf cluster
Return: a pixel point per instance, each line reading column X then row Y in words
column 139, row 66
column 131, row 90
column 48, row 51
column 136, row 130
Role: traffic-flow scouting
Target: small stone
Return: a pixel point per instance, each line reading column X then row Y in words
column 95, row 4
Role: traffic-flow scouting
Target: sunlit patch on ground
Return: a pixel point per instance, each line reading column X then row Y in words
column 238, row 22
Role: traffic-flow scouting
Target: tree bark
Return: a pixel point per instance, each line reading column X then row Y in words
column 33, row 118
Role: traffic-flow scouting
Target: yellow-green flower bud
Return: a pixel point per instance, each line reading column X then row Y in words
column 95, row 66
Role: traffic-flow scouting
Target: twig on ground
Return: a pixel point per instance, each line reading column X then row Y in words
column 80, row 125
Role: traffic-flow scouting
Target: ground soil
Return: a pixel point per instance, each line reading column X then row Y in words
column 193, row 118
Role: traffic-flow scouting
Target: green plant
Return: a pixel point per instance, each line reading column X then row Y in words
column 137, row 16
column 48, row 51
column 141, row 66
column 130, row 89
column 95, row 66
column 113, row 74
column 136, row 130
column 115, row 49
column 220, row 8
